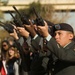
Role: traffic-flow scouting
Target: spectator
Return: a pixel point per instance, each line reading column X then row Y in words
column 4, row 48
column 12, row 61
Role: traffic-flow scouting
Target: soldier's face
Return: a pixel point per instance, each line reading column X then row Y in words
column 63, row 37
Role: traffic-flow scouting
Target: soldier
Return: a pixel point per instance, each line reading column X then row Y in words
column 36, row 67
column 62, row 48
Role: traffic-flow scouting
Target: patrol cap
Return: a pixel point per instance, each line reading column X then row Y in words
column 63, row 26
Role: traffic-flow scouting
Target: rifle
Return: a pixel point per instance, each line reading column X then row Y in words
column 39, row 20
column 8, row 27
column 23, row 18
column 17, row 23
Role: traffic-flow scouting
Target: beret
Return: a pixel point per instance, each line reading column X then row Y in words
column 63, row 26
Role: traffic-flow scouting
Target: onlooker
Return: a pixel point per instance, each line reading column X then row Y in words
column 4, row 48
column 12, row 61
column 2, row 69
column 10, row 40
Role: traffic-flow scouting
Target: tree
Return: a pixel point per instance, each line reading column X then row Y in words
column 3, row 33
column 1, row 16
column 46, row 11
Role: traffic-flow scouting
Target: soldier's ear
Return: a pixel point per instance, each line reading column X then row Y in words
column 71, row 36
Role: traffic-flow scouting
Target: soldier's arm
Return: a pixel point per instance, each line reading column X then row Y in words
column 66, row 54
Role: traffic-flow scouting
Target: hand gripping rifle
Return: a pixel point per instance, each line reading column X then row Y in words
column 39, row 20
column 23, row 18
column 17, row 23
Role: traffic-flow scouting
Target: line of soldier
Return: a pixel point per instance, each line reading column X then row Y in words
column 45, row 49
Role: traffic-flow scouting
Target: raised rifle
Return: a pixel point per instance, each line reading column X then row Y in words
column 39, row 20
column 17, row 23
column 8, row 27
column 23, row 18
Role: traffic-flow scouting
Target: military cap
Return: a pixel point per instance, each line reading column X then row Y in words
column 63, row 26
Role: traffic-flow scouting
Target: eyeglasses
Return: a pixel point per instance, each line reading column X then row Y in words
column 4, row 45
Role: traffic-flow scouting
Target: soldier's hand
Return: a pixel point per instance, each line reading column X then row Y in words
column 14, row 34
column 31, row 29
column 23, row 32
column 43, row 30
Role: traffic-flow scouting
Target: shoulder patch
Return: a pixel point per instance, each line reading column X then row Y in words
column 74, row 49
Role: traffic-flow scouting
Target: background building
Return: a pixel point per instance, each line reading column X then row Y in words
column 63, row 5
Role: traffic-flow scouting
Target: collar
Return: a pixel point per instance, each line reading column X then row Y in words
column 66, row 44
column 69, row 45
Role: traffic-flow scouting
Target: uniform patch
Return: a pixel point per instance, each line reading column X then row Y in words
column 74, row 49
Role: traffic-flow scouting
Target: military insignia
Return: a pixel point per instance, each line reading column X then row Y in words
column 57, row 27
column 74, row 49
column 58, row 45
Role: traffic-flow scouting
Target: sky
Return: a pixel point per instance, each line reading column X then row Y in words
column 71, row 19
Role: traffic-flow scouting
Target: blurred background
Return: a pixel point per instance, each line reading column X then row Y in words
column 55, row 11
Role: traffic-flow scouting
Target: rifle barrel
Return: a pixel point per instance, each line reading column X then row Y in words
column 35, row 12
column 11, row 14
column 16, row 10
